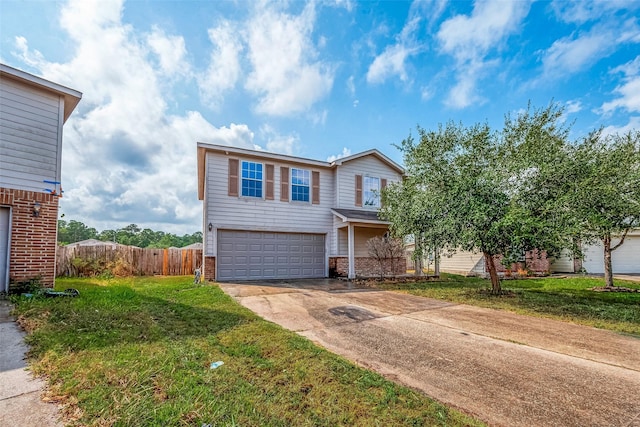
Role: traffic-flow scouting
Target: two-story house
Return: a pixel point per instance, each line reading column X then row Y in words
column 32, row 113
column 274, row 216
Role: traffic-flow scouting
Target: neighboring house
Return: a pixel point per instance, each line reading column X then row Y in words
column 32, row 113
column 624, row 260
column 274, row 216
column 94, row 242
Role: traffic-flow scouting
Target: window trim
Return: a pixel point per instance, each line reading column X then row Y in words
column 307, row 172
column 261, row 180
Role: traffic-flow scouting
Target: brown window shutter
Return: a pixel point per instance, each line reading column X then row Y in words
column 359, row 190
column 284, row 184
column 315, row 187
column 269, row 181
column 233, row 177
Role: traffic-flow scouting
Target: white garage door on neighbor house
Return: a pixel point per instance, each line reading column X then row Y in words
column 625, row 259
column 256, row 255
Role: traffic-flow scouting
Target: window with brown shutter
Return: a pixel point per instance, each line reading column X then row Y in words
column 383, row 185
column 284, row 184
column 269, row 182
column 359, row 190
column 315, row 187
column 233, row 177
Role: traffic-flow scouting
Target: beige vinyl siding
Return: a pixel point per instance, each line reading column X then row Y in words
column 362, row 235
column 461, row 262
column 250, row 213
column 365, row 166
column 30, row 136
column 563, row 263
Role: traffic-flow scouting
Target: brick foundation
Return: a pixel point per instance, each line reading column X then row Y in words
column 209, row 268
column 32, row 252
column 366, row 267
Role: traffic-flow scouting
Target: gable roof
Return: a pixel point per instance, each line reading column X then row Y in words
column 373, row 152
column 71, row 97
column 203, row 147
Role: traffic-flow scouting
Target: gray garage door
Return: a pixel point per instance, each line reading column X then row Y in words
column 254, row 255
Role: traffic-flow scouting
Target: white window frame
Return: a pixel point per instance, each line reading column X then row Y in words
column 370, row 195
column 261, row 180
column 307, row 175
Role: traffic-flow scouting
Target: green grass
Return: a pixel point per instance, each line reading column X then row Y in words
column 137, row 352
column 569, row 299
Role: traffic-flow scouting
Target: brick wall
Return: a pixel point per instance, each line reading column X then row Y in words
column 209, row 268
column 33, row 239
column 366, row 267
column 535, row 261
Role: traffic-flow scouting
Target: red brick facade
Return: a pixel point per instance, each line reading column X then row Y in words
column 534, row 262
column 209, row 273
column 32, row 252
column 367, row 267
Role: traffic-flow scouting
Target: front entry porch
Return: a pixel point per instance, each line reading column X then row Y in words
column 353, row 230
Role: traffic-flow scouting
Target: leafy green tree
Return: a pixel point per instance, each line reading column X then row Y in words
column 603, row 191
column 74, row 231
column 469, row 187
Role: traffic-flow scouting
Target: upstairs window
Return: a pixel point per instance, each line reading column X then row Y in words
column 371, row 191
column 300, row 183
column 251, row 179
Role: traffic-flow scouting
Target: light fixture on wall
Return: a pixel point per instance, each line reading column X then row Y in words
column 36, row 209
column 210, row 227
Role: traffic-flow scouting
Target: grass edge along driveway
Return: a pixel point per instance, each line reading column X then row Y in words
column 137, row 351
column 565, row 298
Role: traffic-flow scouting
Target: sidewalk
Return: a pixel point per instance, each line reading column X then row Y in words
column 20, row 403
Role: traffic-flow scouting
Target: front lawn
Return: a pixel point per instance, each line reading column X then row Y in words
column 137, row 351
column 569, row 299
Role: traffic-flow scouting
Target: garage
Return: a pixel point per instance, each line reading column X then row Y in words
column 624, row 260
column 256, row 255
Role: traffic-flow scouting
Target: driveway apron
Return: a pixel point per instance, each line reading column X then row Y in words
column 504, row 368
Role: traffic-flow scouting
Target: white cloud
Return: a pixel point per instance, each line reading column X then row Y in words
column 628, row 91
column 278, row 143
column 570, row 55
column 224, row 67
column 125, row 158
column 573, row 107
column 351, row 86
column 632, row 125
column 391, row 62
column 285, row 76
column 589, row 10
column 170, row 50
column 469, row 39
column 345, row 153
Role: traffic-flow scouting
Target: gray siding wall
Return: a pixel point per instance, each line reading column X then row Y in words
column 250, row 213
column 366, row 166
column 30, row 136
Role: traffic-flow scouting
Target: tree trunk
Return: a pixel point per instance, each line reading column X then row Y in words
column 436, row 263
column 608, row 271
column 493, row 273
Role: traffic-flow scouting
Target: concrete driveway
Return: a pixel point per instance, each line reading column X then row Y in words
column 506, row 369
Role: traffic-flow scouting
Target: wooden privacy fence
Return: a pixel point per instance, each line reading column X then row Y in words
column 121, row 260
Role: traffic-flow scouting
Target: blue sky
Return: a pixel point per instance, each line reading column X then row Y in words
column 314, row 79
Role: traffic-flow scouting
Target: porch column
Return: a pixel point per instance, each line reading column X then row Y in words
column 352, row 257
